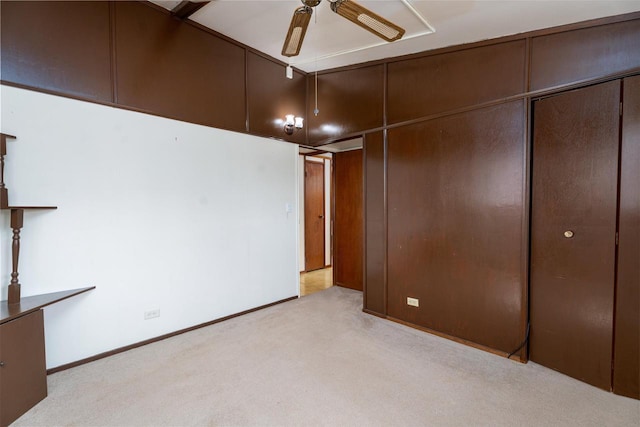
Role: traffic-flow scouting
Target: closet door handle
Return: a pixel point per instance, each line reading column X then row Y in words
column 568, row 234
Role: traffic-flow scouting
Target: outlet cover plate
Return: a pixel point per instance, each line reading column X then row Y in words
column 151, row 314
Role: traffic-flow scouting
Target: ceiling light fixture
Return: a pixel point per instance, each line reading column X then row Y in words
column 291, row 123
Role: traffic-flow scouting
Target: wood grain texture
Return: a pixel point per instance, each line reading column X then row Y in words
column 314, row 222
column 58, row 46
column 23, row 376
column 574, row 188
column 626, row 373
column 349, row 102
column 271, row 96
column 170, row 68
column 375, row 225
column 348, row 220
column 574, row 56
column 455, row 212
column 434, row 84
column 33, row 303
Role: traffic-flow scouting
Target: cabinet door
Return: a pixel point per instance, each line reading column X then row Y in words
column 626, row 373
column 573, row 231
column 23, row 375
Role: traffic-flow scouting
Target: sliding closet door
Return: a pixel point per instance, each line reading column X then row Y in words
column 573, row 231
column 626, row 373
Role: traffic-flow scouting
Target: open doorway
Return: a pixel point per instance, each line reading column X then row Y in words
column 313, row 275
column 315, row 197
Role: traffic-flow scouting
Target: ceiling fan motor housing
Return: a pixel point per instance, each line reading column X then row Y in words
column 311, row 3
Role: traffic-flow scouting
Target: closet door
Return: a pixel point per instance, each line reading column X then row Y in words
column 626, row 372
column 573, row 231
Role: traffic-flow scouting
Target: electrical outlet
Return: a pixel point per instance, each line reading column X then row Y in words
column 414, row 302
column 151, row 314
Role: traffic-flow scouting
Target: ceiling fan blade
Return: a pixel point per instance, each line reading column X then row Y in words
column 368, row 20
column 297, row 30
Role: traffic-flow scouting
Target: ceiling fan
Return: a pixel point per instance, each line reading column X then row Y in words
column 348, row 9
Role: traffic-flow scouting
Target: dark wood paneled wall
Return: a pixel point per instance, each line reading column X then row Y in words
column 350, row 102
column 136, row 56
column 397, row 91
column 626, row 372
column 348, row 219
column 176, row 70
column 58, row 46
column 449, row 184
column 276, row 98
column 581, row 55
column 375, row 301
column 424, row 86
column 454, row 226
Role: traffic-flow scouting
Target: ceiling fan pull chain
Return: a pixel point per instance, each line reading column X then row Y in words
column 316, row 111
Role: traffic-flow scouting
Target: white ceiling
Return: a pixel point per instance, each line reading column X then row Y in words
column 332, row 41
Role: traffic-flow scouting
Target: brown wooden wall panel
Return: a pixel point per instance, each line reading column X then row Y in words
column 272, row 96
column 589, row 53
column 349, row 102
column 626, row 373
column 375, row 229
column 170, row 68
column 58, row 46
column 348, row 223
column 455, row 212
column 433, row 84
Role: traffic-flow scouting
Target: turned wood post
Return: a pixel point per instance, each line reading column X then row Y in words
column 4, row 198
column 17, row 220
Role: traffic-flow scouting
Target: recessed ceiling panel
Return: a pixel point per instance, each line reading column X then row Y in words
column 332, row 41
column 263, row 25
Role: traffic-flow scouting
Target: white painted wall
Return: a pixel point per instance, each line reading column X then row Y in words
column 156, row 213
column 326, row 159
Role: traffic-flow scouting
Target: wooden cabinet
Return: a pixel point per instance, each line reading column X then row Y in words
column 23, row 374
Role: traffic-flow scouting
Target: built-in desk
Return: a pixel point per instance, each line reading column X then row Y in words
column 23, row 371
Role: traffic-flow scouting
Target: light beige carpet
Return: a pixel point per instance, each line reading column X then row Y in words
column 320, row 361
